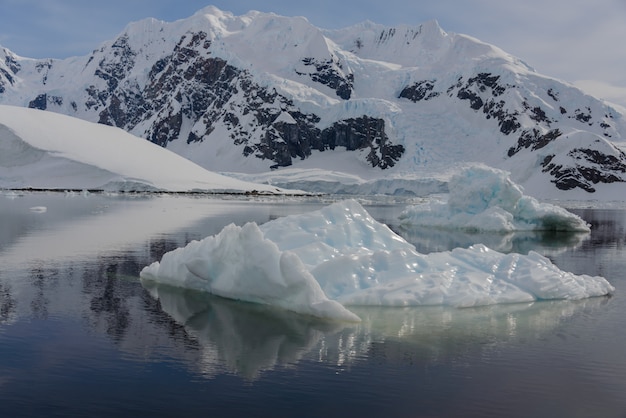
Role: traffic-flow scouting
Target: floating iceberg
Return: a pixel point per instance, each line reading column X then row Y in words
column 485, row 199
column 320, row 262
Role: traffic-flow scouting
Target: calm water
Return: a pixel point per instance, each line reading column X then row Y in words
column 80, row 336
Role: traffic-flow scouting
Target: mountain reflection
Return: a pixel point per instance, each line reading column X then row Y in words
column 7, row 304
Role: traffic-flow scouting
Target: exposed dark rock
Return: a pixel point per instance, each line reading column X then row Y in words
column 122, row 61
column 486, row 80
column 592, row 167
column 421, row 90
column 386, row 34
column 329, row 74
column 534, row 139
column 12, row 64
column 166, row 128
column 289, row 141
column 40, row 102
column 537, row 114
column 604, row 161
column 553, row 94
column 362, row 133
column 114, row 115
column 581, row 116
column 482, row 91
column 507, row 122
column 475, row 101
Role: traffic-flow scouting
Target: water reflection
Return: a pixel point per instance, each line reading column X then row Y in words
column 248, row 339
column 245, row 338
column 7, row 304
column 78, row 328
column 544, row 242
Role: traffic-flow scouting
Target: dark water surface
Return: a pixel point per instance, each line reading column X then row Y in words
column 80, row 335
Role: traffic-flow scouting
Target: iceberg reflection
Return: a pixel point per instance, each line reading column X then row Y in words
column 244, row 338
column 427, row 239
column 248, row 339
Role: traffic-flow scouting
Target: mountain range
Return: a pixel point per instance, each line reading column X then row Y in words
column 259, row 93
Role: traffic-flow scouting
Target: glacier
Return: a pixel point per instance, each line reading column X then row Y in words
column 482, row 198
column 323, row 262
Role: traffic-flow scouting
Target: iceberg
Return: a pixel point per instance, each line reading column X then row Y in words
column 322, row 262
column 240, row 263
column 482, row 198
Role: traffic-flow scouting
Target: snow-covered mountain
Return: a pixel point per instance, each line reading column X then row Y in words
column 44, row 150
column 257, row 92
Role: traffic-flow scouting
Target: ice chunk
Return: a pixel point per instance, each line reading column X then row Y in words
column 316, row 262
column 239, row 263
column 485, row 199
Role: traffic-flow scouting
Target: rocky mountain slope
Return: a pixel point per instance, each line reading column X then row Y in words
column 258, row 92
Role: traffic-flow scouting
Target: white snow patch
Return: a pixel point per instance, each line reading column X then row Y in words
column 310, row 263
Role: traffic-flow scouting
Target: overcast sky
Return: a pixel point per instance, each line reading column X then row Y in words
column 579, row 41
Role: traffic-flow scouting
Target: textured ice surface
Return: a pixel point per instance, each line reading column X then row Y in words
column 485, row 199
column 320, row 262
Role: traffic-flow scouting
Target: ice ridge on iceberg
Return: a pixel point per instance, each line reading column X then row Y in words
column 482, row 198
column 320, row 262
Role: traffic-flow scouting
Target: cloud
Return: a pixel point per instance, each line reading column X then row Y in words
column 567, row 39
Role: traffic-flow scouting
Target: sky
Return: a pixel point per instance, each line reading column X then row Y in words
column 578, row 41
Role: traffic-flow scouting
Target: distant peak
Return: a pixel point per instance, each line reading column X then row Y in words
column 214, row 11
column 432, row 26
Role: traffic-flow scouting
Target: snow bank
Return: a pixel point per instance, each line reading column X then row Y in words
column 485, row 199
column 312, row 263
column 46, row 150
